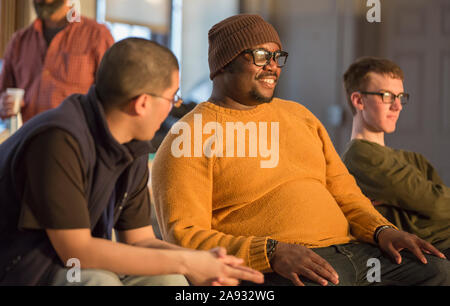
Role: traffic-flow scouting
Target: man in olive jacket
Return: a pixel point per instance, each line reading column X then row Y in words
column 403, row 185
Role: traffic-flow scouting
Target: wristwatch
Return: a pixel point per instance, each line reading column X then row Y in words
column 379, row 230
column 270, row 248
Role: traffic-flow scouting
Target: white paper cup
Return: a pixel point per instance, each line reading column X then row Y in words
column 17, row 95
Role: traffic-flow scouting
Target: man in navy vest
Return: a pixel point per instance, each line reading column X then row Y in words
column 72, row 175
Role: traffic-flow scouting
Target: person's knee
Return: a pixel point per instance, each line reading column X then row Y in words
column 99, row 278
column 86, row 277
column 438, row 270
column 174, row 280
column 156, row 280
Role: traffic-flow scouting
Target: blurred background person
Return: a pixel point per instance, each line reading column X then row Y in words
column 65, row 55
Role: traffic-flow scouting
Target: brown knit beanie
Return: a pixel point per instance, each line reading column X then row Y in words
column 231, row 36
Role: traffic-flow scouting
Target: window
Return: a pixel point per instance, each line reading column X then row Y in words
column 122, row 30
column 148, row 19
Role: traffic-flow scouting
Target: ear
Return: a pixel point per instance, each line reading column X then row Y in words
column 141, row 105
column 222, row 71
column 357, row 101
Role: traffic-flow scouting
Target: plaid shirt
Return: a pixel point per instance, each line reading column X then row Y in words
column 50, row 73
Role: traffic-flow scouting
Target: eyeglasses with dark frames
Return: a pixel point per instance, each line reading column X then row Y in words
column 388, row 97
column 176, row 101
column 262, row 57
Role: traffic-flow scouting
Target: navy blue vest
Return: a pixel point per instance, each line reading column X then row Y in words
column 111, row 172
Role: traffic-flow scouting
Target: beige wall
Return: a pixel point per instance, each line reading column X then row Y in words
column 14, row 15
column 89, row 8
column 197, row 20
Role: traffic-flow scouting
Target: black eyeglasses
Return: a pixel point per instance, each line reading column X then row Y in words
column 388, row 97
column 262, row 57
column 176, row 101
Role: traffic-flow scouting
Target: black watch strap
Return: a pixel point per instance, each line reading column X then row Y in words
column 270, row 248
column 379, row 230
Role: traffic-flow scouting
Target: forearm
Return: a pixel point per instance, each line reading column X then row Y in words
column 156, row 243
column 251, row 249
column 7, row 79
column 144, row 237
column 123, row 259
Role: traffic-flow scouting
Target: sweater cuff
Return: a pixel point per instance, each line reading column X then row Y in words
column 367, row 233
column 257, row 255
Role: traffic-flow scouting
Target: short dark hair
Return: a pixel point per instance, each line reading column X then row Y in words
column 356, row 77
column 132, row 67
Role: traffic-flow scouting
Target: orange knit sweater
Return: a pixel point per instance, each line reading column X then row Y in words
column 238, row 198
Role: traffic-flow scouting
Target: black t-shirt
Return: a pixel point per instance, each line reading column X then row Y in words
column 53, row 188
column 50, row 33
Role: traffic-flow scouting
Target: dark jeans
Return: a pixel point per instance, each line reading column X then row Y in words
column 447, row 253
column 355, row 266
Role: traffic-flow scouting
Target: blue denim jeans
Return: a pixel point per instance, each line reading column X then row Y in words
column 356, row 265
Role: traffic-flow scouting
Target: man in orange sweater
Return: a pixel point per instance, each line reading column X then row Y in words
column 260, row 176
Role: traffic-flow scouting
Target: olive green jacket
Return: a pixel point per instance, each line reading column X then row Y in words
column 414, row 196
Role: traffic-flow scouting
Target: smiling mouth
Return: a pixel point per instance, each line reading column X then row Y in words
column 268, row 82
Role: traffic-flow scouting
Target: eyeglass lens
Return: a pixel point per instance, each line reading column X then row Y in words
column 263, row 57
column 390, row 98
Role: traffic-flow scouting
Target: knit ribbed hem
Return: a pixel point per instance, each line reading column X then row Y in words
column 257, row 255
